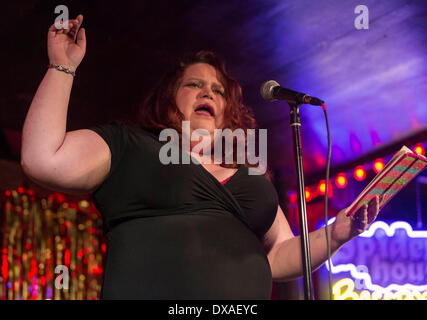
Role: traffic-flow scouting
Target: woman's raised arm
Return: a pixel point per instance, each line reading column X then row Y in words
column 66, row 161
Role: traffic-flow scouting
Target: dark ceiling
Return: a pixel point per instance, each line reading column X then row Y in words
column 374, row 81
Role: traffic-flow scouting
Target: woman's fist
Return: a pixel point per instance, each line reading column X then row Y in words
column 62, row 47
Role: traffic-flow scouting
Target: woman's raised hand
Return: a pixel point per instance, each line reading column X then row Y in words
column 62, row 47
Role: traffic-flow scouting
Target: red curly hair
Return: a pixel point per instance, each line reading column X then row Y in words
column 159, row 111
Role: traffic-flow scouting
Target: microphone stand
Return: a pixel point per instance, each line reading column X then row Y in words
column 295, row 122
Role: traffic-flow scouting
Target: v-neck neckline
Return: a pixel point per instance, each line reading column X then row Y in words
column 228, row 179
column 198, row 163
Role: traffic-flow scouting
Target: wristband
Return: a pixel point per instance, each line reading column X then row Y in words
column 62, row 68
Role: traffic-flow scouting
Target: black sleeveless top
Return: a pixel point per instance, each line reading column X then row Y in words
column 174, row 231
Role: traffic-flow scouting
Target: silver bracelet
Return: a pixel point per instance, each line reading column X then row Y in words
column 62, row 68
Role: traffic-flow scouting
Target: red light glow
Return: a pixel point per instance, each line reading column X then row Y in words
column 341, row 181
column 308, row 194
column 378, row 165
column 322, row 188
column 359, row 173
column 420, row 149
column 292, row 195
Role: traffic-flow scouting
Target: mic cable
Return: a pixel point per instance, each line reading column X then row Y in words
column 328, row 163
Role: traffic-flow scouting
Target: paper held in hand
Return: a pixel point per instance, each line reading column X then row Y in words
column 399, row 171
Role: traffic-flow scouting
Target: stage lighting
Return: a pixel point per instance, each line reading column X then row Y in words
column 292, row 196
column 420, row 149
column 308, row 194
column 322, row 188
column 341, row 181
column 378, row 165
column 359, row 173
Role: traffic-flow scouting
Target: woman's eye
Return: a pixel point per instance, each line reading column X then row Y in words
column 220, row 92
column 198, row 85
column 192, row 84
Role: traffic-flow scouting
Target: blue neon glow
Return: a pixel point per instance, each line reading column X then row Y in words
column 385, row 232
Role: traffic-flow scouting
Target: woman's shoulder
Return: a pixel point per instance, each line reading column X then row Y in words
column 132, row 129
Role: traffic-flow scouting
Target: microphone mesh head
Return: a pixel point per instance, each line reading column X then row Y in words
column 267, row 89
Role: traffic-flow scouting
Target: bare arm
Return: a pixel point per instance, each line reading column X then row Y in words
column 76, row 161
column 284, row 253
column 288, row 257
column 45, row 124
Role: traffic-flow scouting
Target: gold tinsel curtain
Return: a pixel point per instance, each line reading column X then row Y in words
column 50, row 248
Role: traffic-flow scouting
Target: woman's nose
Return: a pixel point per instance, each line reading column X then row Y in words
column 206, row 92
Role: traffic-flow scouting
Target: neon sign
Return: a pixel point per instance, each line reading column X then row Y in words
column 384, row 262
column 344, row 289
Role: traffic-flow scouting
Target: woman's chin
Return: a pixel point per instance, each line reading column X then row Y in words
column 203, row 125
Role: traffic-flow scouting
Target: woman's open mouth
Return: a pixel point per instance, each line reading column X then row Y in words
column 205, row 110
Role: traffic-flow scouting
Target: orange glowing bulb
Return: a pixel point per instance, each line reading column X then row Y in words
column 341, row 181
column 307, row 194
column 378, row 165
column 322, row 187
column 359, row 173
column 420, row 149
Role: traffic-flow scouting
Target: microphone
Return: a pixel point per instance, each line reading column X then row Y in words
column 271, row 90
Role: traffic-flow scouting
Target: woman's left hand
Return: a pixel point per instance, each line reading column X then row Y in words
column 346, row 228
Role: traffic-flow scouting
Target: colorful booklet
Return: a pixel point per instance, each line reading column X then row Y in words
column 399, row 171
